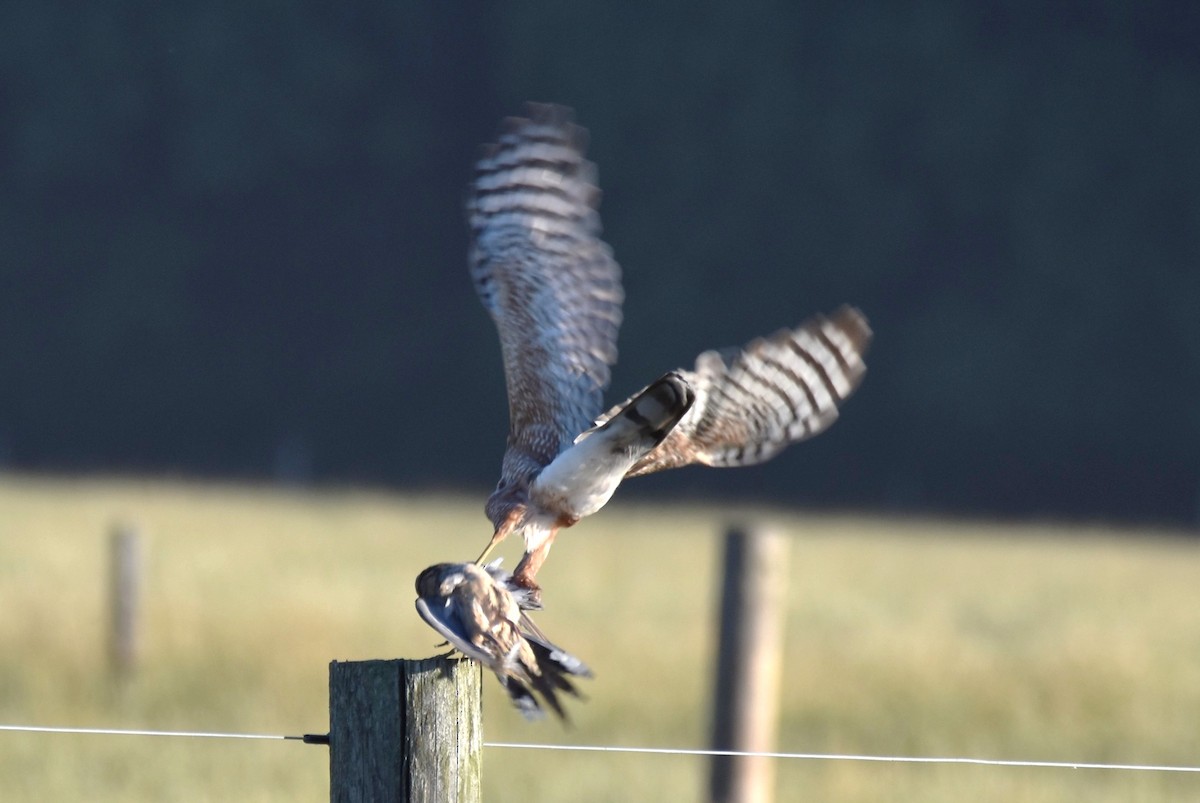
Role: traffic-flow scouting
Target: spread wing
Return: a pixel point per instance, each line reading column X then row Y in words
column 754, row 401
column 550, row 284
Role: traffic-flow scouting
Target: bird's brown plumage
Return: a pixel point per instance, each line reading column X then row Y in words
column 554, row 291
column 550, row 284
column 477, row 612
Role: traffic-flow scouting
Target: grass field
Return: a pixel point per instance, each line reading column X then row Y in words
column 903, row 637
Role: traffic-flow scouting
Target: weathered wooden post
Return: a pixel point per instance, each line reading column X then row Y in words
column 405, row 731
column 124, row 575
column 749, row 665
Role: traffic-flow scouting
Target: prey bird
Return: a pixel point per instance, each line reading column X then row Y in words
column 554, row 292
column 473, row 608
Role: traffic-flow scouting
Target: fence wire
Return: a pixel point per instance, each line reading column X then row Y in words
column 679, row 751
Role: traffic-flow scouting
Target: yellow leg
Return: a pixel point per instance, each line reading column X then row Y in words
column 528, row 568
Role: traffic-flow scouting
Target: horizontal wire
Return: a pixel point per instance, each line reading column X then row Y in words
column 994, row 762
column 123, row 732
column 323, row 739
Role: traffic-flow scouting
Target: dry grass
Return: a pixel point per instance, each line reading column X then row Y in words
column 910, row 637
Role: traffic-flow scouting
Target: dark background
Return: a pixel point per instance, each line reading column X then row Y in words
column 232, row 243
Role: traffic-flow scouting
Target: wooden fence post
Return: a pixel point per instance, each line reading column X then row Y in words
column 125, row 566
column 749, row 665
column 405, row 731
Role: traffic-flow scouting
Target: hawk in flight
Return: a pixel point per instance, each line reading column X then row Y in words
column 554, row 291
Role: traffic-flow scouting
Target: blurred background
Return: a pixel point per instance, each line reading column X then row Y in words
column 233, row 249
column 232, row 241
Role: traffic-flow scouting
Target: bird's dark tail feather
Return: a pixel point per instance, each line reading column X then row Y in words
column 522, row 697
column 555, row 667
column 548, row 677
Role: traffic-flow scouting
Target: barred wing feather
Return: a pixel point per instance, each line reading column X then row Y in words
column 550, row 284
column 754, row 401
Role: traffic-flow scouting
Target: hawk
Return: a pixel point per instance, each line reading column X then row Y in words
column 474, row 609
column 554, row 291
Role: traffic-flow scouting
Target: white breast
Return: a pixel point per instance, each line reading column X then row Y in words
column 581, row 479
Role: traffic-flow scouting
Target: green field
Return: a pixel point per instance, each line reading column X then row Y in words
column 904, row 637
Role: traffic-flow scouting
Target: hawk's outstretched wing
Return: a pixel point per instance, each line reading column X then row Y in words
column 551, row 285
column 752, row 402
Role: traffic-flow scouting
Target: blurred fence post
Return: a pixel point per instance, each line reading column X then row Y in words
column 405, row 731
column 749, row 665
column 125, row 569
